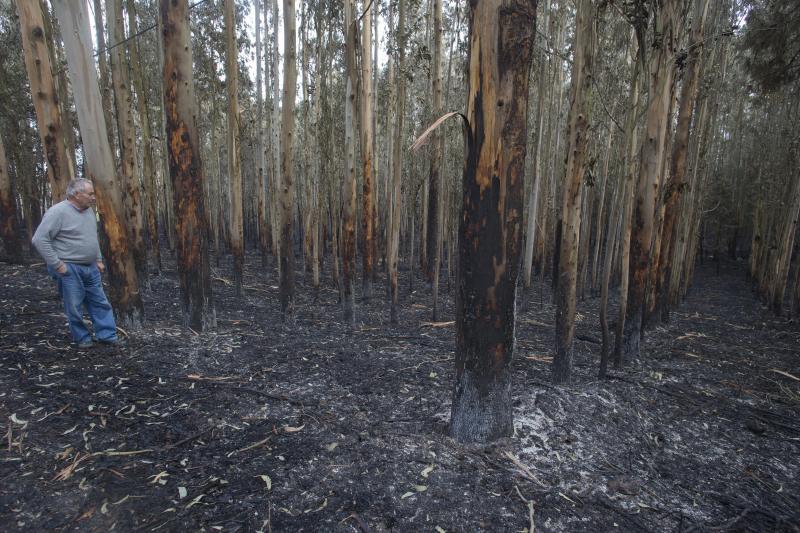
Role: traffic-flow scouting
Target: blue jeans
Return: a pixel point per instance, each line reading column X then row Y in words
column 81, row 285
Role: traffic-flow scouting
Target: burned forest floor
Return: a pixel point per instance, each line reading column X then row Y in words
column 317, row 427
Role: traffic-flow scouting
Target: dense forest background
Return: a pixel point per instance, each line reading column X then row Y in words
column 330, row 227
column 658, row 135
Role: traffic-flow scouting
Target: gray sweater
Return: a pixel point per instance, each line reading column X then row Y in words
column 67, row 235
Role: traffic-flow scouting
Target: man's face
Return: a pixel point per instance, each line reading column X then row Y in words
column 85, row 197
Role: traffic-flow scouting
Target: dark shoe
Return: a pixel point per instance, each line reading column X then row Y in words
column 111, row 342
column 85, row 345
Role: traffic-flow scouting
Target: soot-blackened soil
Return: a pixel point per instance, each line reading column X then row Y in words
column 315, row 427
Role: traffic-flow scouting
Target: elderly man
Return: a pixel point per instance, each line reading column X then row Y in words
column 67, row 240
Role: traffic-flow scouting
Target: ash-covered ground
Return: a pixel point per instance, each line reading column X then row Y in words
column 316, row 427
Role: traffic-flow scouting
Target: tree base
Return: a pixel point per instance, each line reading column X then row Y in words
column 481, row 411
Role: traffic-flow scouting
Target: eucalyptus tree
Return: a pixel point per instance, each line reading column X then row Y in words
column 395, row 204
column 99, row 164
column 8, row 212
column 105, row 74
column 660, row 88
column 287, row 159
column 142, row 105
column 491, row 222
column 367, row 137
column 679, row 156
column 435, row 176
column 348, row 239
column 185, row 167
column 260, row 155
column 129, row 174
column 577, row 152
column 535, row 180
column 233, row 144
column 45, row 96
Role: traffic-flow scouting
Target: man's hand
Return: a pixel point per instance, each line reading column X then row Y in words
column 62, row 268
column 101, row 267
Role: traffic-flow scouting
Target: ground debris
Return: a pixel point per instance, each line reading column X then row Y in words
column 323, row 428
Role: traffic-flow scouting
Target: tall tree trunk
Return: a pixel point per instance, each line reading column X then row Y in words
column 317, row 164
column 577, row 151
column 8, row 212
column 535, row 180
column 148, row 169
column 397, row 161
column 99, row 164
column 599, row 233
column 168, row 213
column 287, row 175
column 349, row 183
column 788, row 229
column 275, row 175
column 260, row 155
column 678, row 160
column 615, row 219
column 62, row 85
column 186, row 169
column 105, row 74
column 491, row 221
column 45, row 96
column 129, row 165
column 435, row 198
column 234, row 148
column 433, row 223
column 626, row 199
column 367, row 140
column 661, row 69
column 22, row 154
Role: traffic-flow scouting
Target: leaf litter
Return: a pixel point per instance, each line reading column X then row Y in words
column 351, row 425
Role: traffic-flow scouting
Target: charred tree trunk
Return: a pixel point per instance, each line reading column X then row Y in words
column 99, row 164
column 287, row 174
column 260, row 155
column 786, row 240
column 349, row 184
column 367, row 139
column 397, row 162
column 45, row 96
column 536, row 164
column 435, row 198
column 275, row 137
column 501, row 36
column 626, row 199
column 680, row 151
column 186, row 169
column 148, row 168
column 234, row 148
column 8, row 212
column 661, row 70
column 577, row 149
column 129, row 165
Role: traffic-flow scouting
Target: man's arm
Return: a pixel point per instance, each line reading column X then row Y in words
column 43, row 240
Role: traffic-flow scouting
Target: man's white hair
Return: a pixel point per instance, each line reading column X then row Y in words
column 77, row 185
